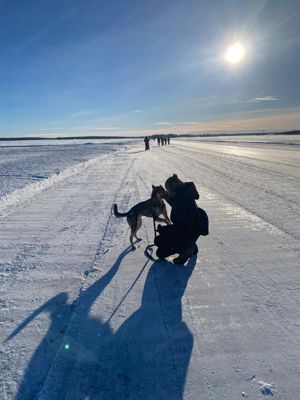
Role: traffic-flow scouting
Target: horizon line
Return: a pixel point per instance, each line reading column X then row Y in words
column 174, row 135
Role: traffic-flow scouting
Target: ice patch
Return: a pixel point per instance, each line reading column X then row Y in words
column 256, row 222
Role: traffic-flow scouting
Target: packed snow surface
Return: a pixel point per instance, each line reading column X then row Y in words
column 82, row 317
column 270, row 139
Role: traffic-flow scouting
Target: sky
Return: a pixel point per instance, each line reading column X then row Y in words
column 132, row 67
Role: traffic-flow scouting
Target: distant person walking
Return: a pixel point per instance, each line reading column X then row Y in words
column 168, row 138
column 162, row 140
column 158, row 141
column 147, row 141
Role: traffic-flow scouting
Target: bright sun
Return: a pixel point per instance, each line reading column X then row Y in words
column 235, row 53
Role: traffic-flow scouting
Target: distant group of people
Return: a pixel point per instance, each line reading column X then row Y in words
column 161, row 140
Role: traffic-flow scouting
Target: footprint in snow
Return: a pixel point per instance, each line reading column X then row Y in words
column 88, row 271
column 267, row 389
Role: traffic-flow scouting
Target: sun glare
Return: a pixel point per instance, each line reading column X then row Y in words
column 235, row 53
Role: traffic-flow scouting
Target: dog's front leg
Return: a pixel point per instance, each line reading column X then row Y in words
column 168, row 222
column 165, row 214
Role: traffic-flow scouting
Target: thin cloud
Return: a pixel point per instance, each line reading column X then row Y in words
column 163, row 123
column 138, row 110
column 81, row 128
column 84, row 113
column 113, row 128
column 264, row 98
column 187, row 123
column 55, row 128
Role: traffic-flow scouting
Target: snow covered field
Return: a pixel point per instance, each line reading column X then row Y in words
column 24, row 162
column 84, row 318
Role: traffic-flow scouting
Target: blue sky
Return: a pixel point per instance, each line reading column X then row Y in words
column 134, row 67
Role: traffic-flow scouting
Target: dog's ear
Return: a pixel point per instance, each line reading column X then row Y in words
column 153, row 187
column 175, row 176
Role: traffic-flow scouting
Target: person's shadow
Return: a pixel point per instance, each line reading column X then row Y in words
column 147, row 357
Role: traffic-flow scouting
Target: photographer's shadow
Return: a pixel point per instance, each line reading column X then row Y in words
column 147, row 357
column 155, row 344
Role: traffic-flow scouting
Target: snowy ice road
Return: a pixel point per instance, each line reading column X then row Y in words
column 84, row 318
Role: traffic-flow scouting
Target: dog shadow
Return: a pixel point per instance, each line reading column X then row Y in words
column 145, row 357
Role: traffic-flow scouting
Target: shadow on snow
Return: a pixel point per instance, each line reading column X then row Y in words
column 147, row 357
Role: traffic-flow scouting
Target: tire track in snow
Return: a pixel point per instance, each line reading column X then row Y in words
column 263, row 219
column 222, row 174
column 110, row 227
column 233, row 159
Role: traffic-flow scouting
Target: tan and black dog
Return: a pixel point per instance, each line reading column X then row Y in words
column 151, row 208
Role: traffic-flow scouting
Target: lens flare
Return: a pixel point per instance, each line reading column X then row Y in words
column 235, row 53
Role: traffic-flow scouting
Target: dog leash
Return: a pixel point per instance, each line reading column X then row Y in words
column 154, row 226
column 148, row 252
column 149, row 249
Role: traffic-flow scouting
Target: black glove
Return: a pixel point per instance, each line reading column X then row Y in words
column 159, row 228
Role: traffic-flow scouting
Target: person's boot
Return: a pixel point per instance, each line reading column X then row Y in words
column 162, row 253
column 195, row 249
column 185, row 255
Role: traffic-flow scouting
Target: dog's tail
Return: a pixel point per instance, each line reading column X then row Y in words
column 117, row 213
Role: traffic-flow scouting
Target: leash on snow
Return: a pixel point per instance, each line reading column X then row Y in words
column 149, row 249
column 154, row 226
column 148, row 252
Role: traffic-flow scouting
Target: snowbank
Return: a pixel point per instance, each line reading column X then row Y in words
column 27, row 192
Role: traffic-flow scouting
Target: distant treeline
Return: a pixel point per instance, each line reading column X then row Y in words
column 69, row 138
column 155, row 136
column 297, row 132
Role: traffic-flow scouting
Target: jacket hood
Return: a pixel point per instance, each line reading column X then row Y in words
column 188, row 190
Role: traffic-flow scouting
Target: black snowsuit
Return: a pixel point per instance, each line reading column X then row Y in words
column 188, row 222
column 147, row 140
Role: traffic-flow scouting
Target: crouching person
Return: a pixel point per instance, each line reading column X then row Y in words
column 188, row 222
